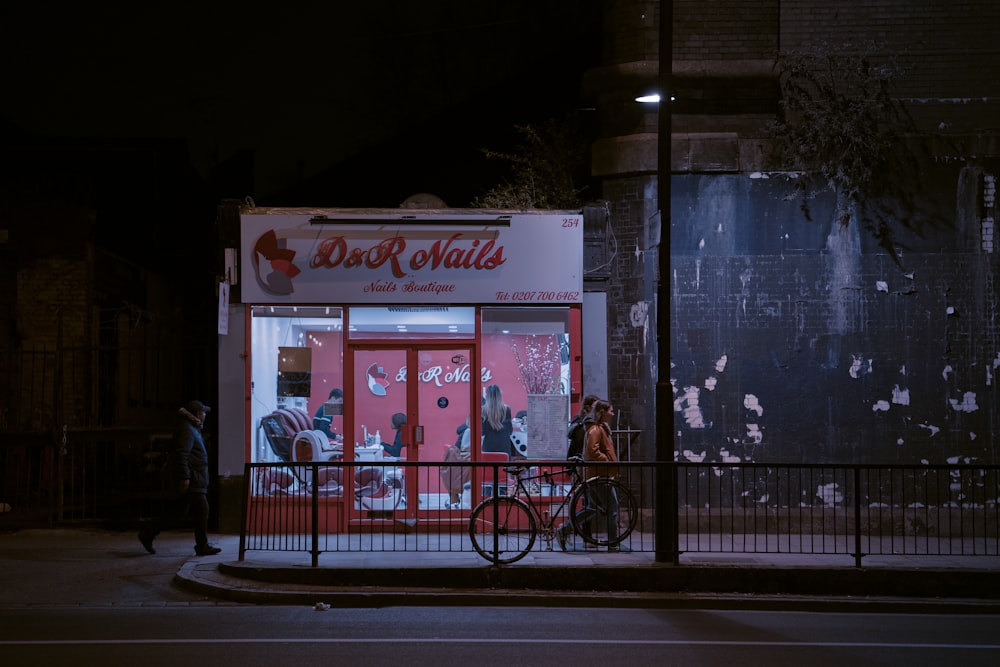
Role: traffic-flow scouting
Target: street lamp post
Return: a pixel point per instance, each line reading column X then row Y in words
column 665, row 509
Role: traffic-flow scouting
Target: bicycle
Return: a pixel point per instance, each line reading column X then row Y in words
column 504, row 528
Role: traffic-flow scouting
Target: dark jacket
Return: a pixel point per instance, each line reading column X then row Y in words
column 396, row 448
column 461, row 433
column 323, row 423
column 499, row 440
column 190, row 456
column 577, row 435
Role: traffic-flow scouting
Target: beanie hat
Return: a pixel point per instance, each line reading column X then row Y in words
column 194, row 407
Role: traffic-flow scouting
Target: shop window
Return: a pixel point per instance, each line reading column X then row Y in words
column 525, row 352
column 296, row 380
column 412, row 322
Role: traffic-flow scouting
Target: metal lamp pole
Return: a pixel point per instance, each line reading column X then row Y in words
column 665, row 509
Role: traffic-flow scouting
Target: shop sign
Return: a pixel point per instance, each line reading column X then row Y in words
column 530, row 259
column 378, row 382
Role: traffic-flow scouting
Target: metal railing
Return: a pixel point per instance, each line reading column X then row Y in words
column 82, row 428
column 854, row 510
column 110, row 475
column 857, row 510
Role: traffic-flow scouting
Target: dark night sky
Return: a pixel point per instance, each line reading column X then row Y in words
column 385, row 90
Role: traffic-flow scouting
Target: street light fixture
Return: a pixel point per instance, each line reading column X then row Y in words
column 652, row 98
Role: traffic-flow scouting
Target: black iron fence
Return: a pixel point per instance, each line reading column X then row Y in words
column 857, row 510
column 107, row 475
column 82, row 428
column 854, row 510
column 850, row 510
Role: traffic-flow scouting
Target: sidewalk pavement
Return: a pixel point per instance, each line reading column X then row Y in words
column 575, row 577
column 94, row 566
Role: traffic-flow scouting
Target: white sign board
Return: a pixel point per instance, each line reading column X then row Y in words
column 439, row 258
column 223, row 308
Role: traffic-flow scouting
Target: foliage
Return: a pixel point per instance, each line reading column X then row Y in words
column 842, row 125
column 543, row 168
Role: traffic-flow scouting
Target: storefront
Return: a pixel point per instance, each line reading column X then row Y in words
column 375, row 336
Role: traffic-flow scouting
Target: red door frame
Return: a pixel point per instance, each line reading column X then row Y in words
column 412, row 430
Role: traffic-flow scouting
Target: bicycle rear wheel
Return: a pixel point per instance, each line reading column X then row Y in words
column 604, row 511
column 503, row 530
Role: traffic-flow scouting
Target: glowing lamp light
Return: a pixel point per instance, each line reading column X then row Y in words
column 652, row 98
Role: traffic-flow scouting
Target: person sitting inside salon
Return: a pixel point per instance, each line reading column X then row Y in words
column 396, row 448
column 323, row 421
column 454, row 478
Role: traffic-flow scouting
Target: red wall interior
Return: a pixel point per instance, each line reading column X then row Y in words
column 499, row 367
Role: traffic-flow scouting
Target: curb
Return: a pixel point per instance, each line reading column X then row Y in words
column 656, row 578
column 288, row 586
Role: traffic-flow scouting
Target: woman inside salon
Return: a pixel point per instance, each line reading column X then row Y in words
column 396, row 448
column 497, row 423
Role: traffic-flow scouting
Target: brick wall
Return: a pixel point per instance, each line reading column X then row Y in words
column 631, row 345
column 726, row 30
column 779, row 355
column 784, row 348
column 946, row 50
column 52, row 312
column 631, row 31
column 52, row 302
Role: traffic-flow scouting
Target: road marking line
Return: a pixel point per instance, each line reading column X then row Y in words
column 507, row 640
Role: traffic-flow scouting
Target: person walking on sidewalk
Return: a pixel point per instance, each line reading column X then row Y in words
column 599, row 447
column 187, row 468
column 576, row 434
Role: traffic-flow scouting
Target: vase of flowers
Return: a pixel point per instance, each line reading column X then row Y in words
column 539, row 363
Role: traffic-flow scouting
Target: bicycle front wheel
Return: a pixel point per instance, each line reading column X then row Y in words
column 604, row 511
column 503, row 530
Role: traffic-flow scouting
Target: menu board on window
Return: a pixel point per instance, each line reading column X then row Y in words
column 547, row 420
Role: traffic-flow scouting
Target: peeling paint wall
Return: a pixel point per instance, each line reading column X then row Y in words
column 793, row 343
column 831, row 351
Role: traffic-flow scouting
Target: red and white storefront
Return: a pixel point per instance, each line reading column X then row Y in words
column 412, row 312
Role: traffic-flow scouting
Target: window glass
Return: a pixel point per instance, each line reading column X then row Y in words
column 412, row 322
column 525, row 354
column 296, row 381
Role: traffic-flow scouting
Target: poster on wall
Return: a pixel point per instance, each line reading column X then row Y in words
column 547, row 423
column 518, row 259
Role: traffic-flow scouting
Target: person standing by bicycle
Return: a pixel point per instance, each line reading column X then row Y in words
column 503, row 529
column 599, row 447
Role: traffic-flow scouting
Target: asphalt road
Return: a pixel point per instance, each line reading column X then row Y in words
column 182, row 633
column 73, row 597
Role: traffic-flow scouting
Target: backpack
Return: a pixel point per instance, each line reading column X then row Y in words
column 576, row 434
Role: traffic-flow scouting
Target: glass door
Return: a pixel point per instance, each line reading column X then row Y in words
column 411, row 403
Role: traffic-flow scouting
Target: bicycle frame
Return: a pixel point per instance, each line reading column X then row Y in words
column 504, row 529
column 546, row 519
